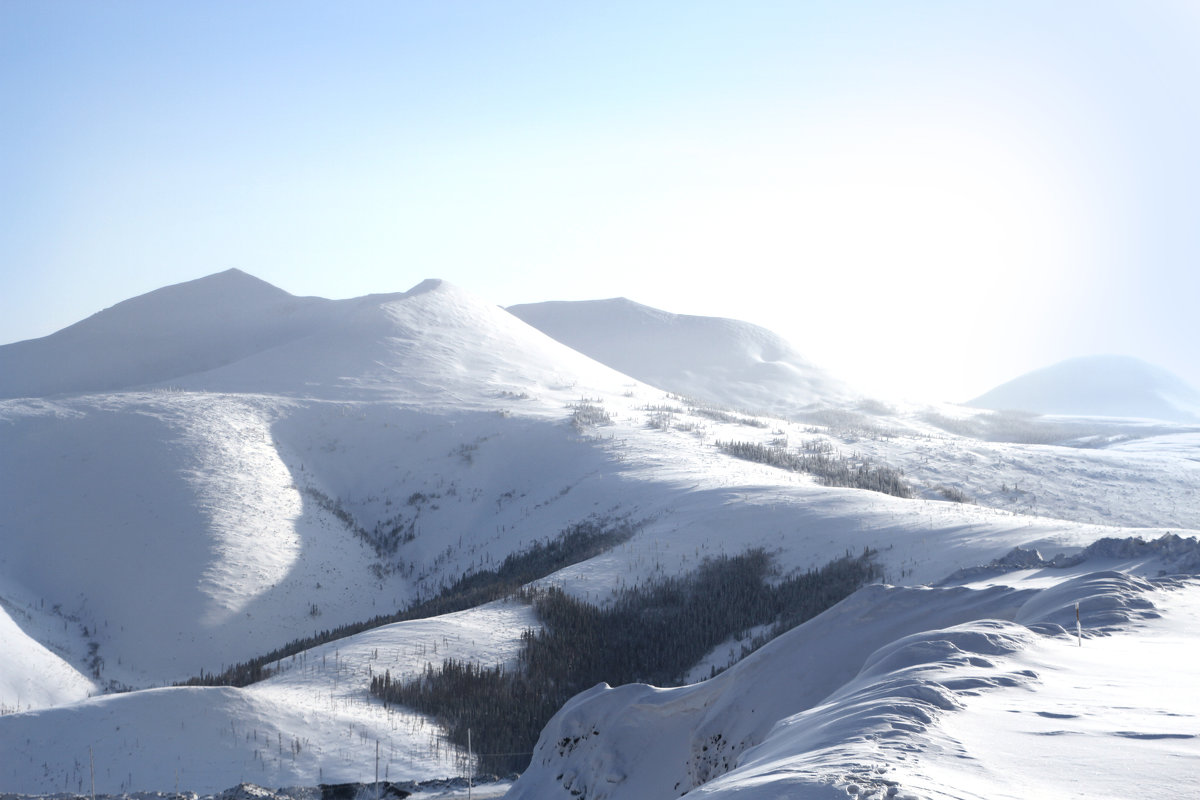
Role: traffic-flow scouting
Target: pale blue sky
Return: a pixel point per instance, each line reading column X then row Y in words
column 925, row 198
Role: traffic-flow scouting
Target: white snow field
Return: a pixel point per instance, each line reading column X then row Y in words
column 182, row 497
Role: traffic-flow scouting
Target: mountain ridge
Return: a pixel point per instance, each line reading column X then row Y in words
column 401, row 441
column 716, row 359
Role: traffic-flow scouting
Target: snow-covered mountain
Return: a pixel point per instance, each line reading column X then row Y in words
column 723, row 361
column 253, row 481
column 165, row 334
column 215, row 480
column 1108, row 386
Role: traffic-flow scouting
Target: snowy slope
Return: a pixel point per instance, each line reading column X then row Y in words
column 1133, row 473
column 1111, row 386
column 722, row 361
column 206, row 517
column 210, row 502
column 31, row 675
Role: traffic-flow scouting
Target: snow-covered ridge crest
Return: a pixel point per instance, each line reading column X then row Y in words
column 433, row 343
column 719, row 360
column 232, row 332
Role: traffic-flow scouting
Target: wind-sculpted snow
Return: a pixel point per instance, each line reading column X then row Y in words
column 1169, row 554
column 1107, row 601
column 848, row 704
column 971, row 644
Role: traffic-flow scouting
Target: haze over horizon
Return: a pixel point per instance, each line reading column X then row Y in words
column 926, row 201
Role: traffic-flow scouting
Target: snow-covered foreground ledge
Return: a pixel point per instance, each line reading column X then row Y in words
column 1118, row 717
column 962, row 692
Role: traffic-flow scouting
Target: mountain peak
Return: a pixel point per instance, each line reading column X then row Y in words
column 209, row 286
column 1098, row 385
column 161, row 335
column 426, row 286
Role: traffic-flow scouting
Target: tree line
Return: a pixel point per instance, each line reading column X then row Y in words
column 830, row 469
column 578, row 542
column 652, row 633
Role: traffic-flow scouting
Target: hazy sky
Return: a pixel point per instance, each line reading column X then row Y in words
column 924, row 198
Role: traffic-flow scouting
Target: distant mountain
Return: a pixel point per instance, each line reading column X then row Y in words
column 720, row 360
column 164, row 334
column 427, row 344
column 232, row 469
column 1108, row 386
column 232, row 332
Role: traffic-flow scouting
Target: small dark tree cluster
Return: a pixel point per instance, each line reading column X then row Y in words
column 953, row 494
column 577, row 543
column 503, row 711
column 334, row 507
column 651, row 633
column 717, row 415
column 847, row 424
column 829, row 468
column 386, row 537
column 95, row 661
column 585, row 415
